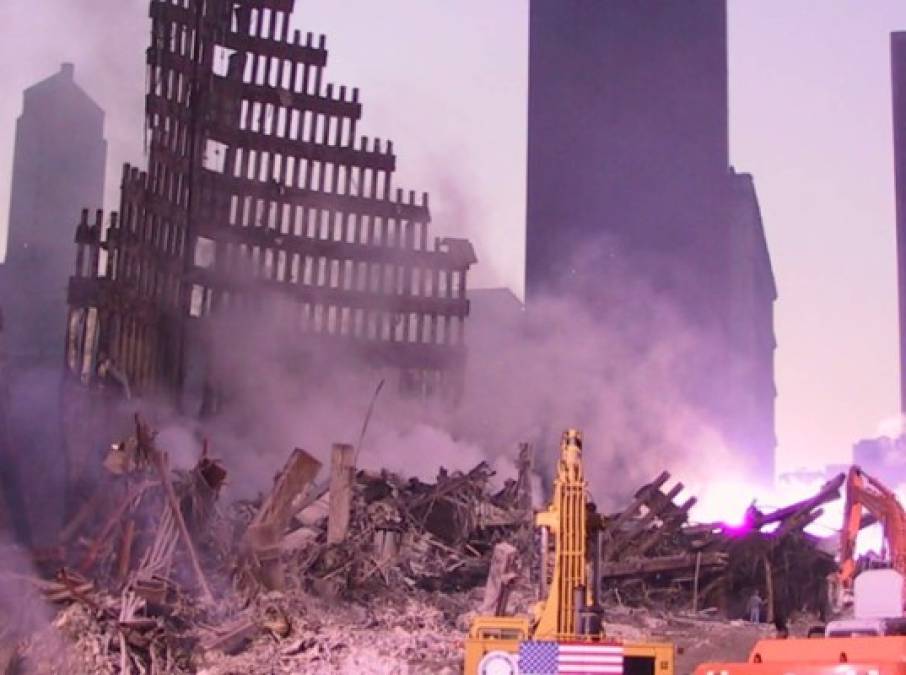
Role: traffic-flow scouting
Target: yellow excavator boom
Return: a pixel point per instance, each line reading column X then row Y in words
column 565, row 614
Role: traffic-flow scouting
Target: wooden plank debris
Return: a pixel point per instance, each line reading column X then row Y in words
column 681, row 562
column 265, row 533
column 342, row 470
column 159, row 460
column 300, row 470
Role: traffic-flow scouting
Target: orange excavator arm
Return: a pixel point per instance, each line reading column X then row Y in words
column 865, row 492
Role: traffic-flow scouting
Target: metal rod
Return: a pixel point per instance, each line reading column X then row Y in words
column 698, row 566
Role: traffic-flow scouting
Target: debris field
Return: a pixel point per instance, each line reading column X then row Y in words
column 363, row 572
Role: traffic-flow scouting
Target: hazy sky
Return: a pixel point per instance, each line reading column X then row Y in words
column 446, row 81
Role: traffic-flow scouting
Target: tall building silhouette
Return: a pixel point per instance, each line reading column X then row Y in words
column 898, row 77
column 632, row 204
column 58, row 168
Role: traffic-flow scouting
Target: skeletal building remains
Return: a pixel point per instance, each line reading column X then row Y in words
column 259, row 191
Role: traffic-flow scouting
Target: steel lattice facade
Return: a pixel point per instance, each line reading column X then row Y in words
column 259, row 186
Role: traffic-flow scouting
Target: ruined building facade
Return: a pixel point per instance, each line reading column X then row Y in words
column 898, row 77
column 634, row 209
column 259, row 191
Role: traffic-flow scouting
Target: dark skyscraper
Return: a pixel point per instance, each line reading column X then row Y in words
column 58, row 169
column 632, row 202
column 898, row 73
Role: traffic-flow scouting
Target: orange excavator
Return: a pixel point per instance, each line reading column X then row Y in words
column 873, row 642
column 864, row 492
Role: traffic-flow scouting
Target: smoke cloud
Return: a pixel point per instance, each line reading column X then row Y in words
column 628, row 379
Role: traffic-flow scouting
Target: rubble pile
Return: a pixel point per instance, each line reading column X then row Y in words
column 277, row 633
column 358, row 572
column 652, row 556
column 154, row 574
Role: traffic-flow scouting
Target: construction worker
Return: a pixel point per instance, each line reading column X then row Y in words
column 755, row 603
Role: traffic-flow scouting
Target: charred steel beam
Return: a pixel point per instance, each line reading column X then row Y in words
column 674, row 520
column 320, row 200
column 828, row 492
column 683, row 562
column 345, row 155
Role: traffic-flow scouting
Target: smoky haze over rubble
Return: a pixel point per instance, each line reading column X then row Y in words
column 528, row 377
column 799, row 160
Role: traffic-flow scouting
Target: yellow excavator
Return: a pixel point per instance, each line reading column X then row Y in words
column 566, row 628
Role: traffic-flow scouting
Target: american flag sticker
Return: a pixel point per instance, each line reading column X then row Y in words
column 552, row 658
